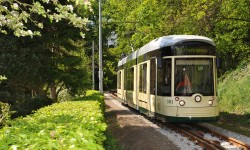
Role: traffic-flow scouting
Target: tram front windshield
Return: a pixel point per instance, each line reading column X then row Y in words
column 194, row 75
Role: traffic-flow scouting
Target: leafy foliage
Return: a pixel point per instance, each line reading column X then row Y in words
column 2, row 78
column 44, row 65
column 227, row 22
column 27, row 105
column 66, row 125
column 16, row 14
column 5, row 113
column 232, row 33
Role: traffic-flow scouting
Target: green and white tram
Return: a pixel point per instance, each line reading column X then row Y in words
column 172, row 78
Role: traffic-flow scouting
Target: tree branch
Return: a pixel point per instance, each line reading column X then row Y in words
column 234, row 19
column 60, row 88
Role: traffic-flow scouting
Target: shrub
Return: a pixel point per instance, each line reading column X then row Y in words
column 5, row 113
column 29, row 104
column 67, row 125
column 93, row 95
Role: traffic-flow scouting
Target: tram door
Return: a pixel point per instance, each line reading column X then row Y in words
column 152, row 94
column 120, row 86
column 143, row 94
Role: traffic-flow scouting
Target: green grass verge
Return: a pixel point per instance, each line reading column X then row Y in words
column 234, row 91
column 111, row 143
column 67, row 125
column 234, row 100
column 233, row 122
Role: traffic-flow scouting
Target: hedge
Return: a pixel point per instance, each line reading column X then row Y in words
column 67, row 125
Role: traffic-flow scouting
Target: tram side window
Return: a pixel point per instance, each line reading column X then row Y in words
column 143, row 78
column 152, row 76
column 130, row 79
column 119, row 79
column 164, row 78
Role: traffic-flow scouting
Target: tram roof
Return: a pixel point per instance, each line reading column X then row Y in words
column 164, row 41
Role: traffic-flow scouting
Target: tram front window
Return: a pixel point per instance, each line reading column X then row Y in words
column 194, row 76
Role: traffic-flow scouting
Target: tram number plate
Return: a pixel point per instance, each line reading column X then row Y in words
column 169, row 101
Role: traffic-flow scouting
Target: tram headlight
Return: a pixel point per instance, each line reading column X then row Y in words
column 197, row 98
column 210, row 102
column 182, row 103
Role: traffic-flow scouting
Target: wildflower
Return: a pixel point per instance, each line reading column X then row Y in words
column 70, row 7
column 15, row 6
column 30, row 32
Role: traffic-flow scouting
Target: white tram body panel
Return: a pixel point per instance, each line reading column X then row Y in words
column 172, row 78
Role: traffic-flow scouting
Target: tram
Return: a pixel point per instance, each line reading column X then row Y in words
column 172, row 78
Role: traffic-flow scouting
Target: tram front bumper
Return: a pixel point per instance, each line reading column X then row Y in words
column 197, row 112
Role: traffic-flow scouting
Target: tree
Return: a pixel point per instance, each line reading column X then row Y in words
column 226, row 22
column 54, row 61
column 232, row 30
column 48, row 63
column 17, row 14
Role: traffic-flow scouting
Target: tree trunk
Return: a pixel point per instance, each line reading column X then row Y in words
column 53, row 93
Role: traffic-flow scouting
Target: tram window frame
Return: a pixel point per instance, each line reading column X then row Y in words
column 153, row 75
column 164, row 78
column 199, row 76
column 119, row 74
column 143, row 78
column 130, row 78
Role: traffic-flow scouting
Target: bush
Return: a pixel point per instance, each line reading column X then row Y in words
column 5, row 113
column 93, row 95
column 67, row 125
column 29, row 104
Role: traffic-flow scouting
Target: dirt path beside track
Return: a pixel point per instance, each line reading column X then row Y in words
column 133, row 131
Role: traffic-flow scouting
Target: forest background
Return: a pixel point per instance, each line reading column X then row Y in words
column 46, row 45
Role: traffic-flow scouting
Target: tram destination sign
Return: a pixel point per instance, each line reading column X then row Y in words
column 194, row 50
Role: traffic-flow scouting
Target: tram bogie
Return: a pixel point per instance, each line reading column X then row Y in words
column 172, row 78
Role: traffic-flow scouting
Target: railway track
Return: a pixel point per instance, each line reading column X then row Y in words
column 231, row 141
column 201, row 136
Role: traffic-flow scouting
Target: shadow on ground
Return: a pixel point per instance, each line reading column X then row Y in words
column 235, row 122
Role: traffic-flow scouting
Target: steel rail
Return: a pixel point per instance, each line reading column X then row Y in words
column 196, row 138
column 241, row 145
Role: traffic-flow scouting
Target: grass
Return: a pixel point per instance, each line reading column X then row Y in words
column 233, row 122
column 111, row 142
column 234, row 100
column 234, row 91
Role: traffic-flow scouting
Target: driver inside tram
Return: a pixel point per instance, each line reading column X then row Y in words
column 183, row 86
